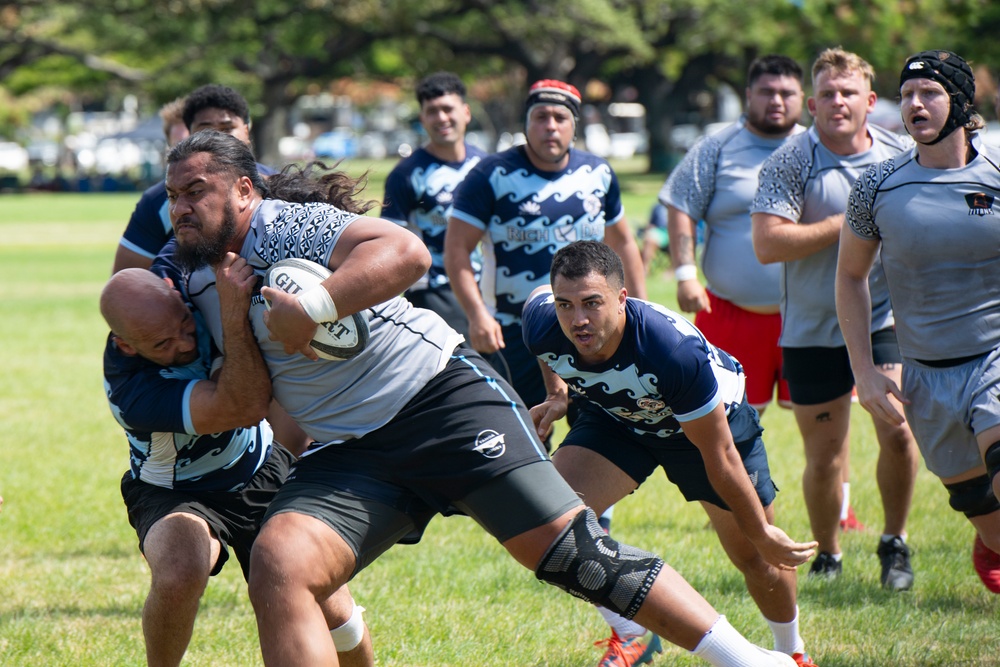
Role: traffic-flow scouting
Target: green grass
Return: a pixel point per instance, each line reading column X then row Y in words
column 72, row 582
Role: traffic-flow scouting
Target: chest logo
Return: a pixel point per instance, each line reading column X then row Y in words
column 530, row 208
column 979, row 203
column 592, row 205
column 651, row 404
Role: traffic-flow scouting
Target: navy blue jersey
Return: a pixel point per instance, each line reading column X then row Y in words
column 419, row 192
column 663, row 374
column 153, row 404
column 149, row 228
column 527, row 215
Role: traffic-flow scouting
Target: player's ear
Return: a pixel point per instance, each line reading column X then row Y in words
column 622, row 296
column 124, row 346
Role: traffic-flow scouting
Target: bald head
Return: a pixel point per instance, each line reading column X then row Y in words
column 149, row 318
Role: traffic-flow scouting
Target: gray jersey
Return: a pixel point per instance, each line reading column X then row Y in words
column 715, row 182
column 334, row 401
column 940, row 237
column 805, row 182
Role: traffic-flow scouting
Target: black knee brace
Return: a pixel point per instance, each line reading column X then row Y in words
column 587, row 563
column 973, row 497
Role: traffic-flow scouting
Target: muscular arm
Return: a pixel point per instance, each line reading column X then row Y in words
column 460, row 240
column 683, row 230
column 374, row 260
column 128, row 259
column 778, row 239
column 241, row 392
column 619, row 236
column 711, row 435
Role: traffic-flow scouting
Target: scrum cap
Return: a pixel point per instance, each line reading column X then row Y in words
column 551, row 91
column 954, row 74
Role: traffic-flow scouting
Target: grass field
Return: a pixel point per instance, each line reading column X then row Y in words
column 72, row 582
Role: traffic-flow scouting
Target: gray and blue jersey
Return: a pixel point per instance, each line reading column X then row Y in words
column 663, row 373
column 715, row 182
column 334, row 401
column 803, row 181
column 528, row 215
column 940, row 237
column 153, row 404
column 419, row 193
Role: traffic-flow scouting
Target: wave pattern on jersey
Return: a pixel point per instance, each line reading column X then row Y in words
column 437, row 183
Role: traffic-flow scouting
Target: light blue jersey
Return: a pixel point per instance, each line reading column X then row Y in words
column 528, row 215
column 419, row 193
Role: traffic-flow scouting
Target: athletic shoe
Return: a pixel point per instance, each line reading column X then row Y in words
column 987, row 564
column 824, row 565
column 897, row 575
column 851, row 523
column 803, row 660
column 627, row 652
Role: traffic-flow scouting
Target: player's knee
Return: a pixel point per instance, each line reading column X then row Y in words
column 347, row 636
column 973, row 497
column 179, row 582
column 589, row 564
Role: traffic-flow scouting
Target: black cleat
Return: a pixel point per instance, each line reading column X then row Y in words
column 897, row 574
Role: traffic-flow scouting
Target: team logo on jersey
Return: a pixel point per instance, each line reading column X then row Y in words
column 490, row 444
column 651, row 404
column 980, row 203
column 592, row 205
column 530, row 208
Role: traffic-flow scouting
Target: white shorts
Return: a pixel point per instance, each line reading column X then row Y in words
column 948, row 407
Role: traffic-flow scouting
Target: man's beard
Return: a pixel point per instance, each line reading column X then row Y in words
column 768, row 127
column 209, row 250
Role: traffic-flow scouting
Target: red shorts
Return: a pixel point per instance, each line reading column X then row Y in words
column 753, row 339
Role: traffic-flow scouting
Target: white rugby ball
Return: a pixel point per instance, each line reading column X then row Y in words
column 339, row 340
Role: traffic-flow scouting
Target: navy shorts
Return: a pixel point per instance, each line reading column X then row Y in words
column 639, row 455
column 820, row 374
column 235, row 517
column 518, row 366
column 464, row 443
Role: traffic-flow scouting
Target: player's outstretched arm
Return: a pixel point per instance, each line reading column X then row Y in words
column 556, row 403
column 682, row 230
column 711, row 435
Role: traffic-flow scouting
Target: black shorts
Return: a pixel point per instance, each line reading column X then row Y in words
column 234, row 517
column 820, row 374
column 517, row 365
column 443, row 302
column 464, row 443
column 639, row 455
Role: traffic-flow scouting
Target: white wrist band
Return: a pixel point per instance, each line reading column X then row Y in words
column 319, row 305
column 686, row 272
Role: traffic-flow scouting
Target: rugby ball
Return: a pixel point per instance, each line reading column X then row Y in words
column 339, row 340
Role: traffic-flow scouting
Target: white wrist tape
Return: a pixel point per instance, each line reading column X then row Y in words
column 350, row 634
column 319, row 305
column 686, row 272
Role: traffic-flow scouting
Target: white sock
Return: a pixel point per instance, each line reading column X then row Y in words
column 625, row 628
column 723, row 646
column 846, row 505
column 786, row 635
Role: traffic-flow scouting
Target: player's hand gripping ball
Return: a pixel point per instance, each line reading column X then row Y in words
column 339, row 340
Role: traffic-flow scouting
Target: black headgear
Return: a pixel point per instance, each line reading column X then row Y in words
column 952, row 72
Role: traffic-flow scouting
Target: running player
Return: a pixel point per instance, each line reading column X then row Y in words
column 930, row 213
column 796, row 217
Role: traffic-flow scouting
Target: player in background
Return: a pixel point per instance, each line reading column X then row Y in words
column 930, row 213
column 411, row 426
column 523, row 205
column 796, row 218
column 655, row 393
column 738, row 309
column 419, row 191
column 203, row 461
column 208, row 107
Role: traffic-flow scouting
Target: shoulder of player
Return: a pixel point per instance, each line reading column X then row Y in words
column 889, row 139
